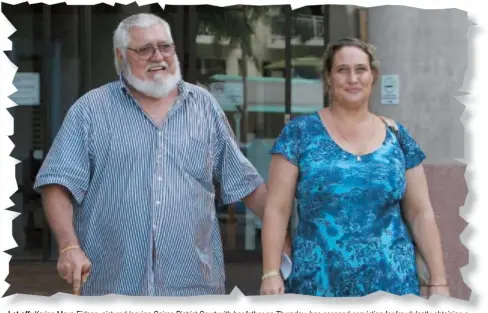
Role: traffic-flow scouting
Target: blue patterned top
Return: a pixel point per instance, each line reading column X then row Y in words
column 351, row 239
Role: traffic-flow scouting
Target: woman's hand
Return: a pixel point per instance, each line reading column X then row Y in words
column 424, row 292
column 439, row 290
column 272, row 286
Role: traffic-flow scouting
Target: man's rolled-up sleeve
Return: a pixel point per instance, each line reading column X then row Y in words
column 236, row 176
column 68, row 162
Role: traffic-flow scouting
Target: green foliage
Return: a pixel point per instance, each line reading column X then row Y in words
column 233, row 23
column 237, row 23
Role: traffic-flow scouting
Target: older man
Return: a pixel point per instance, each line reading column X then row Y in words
column 128, row 185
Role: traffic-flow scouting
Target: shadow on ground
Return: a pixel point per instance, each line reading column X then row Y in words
column 40, row 278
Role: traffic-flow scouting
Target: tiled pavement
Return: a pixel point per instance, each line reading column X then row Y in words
column 40, row 278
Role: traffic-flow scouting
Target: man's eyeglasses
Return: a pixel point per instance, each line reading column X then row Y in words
column 146, row 52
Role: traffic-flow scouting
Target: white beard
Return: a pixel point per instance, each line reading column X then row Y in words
column 157, row 88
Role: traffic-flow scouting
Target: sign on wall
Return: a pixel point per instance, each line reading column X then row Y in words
column 390, row 89
column 28, row 89
column 228, row 94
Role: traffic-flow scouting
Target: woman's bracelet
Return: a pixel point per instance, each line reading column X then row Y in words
column 435, row 285
column 270, row 274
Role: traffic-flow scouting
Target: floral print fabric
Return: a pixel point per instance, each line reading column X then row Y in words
column 351, row 239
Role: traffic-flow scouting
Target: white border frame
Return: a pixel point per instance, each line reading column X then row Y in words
column 476, row 203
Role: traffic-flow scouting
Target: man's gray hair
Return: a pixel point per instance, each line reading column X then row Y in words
column 121, row 38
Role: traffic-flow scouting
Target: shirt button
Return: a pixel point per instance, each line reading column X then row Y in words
column 158, row 202
column 160, row 178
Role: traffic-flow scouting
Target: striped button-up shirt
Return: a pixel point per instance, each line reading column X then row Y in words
column 143, row 195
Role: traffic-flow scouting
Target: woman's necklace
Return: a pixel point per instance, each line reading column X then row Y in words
column 373, row 133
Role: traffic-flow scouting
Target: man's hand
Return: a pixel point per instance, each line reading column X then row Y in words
column 74, row 267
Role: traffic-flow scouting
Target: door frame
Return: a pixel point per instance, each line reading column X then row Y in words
column 51, row 110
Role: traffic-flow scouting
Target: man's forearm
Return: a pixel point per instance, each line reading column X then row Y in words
column 59, row 214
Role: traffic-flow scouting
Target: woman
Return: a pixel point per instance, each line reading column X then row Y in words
column 361, row 191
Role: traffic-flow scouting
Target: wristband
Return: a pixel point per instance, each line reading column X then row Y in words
column 270, row 274
column 69, row 248
column 435, row 285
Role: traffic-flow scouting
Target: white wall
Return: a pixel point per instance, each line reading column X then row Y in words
column 428, row 50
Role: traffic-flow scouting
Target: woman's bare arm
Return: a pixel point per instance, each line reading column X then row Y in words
column 281, row 192
column 420, row 216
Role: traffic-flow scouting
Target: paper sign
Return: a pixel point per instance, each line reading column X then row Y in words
column 28, row 89
column 286, row 266
column 390, row 89
column 228, row 94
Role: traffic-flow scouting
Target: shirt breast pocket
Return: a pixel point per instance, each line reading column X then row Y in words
column 196, row 158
